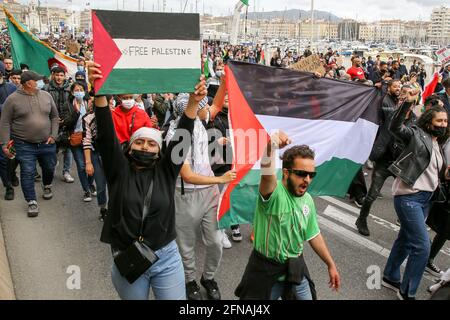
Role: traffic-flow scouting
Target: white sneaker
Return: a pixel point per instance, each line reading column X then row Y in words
column 225, row 241
column 68, row 178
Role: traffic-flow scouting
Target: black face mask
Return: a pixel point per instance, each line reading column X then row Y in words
column 143, row 158
column 438, row 132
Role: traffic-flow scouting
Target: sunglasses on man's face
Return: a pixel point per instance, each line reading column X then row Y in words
column 303, row 174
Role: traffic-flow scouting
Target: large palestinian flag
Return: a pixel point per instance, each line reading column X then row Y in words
column 28, row 49
column 338, row 119
column 142, row 52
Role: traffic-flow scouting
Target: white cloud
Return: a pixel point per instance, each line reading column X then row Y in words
column 361, row 9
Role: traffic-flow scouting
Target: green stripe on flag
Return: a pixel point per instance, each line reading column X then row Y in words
column 245, row 194
column 245, row 2
column 150, row 81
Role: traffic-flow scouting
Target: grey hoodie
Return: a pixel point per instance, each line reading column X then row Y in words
column 29, row 117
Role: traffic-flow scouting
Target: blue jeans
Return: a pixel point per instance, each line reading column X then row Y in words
column 413, row 242
column 303, row 290
column 27, row 154
column 67, row 156
column 165, row 277
column 85, row 180
column 100, row 180
column 4, row 174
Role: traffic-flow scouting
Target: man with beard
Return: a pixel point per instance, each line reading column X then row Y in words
column 382, row 75
column 356, row 71
column 395, row 70
column 285, row 218
column 384, row 152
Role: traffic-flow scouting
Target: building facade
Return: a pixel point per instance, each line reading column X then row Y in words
column 439, row 31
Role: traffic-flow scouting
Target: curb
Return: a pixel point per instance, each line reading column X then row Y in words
column 6, row 284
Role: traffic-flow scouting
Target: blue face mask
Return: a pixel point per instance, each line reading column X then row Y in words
column 79, row 95
column 40, row 84
column 80, row 68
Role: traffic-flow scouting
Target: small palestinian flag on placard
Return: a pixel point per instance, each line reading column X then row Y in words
column 337, row 119
column 142, row 52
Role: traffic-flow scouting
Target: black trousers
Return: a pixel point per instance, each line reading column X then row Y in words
column 358, row 188
column 379, row 175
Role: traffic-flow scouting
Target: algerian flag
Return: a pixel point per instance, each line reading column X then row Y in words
column 142, row 52
column 28, row 49
column 337, row 119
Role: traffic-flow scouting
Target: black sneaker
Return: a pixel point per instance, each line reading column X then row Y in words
column 193, row 291
column 363, row 229
column 402, row 296
column 9, row 194
column 433, row 269
column 87, row 196
column 394, row 286
column 358, row 202
column 211, row 287
column 93, row 191
column 103, row 213
column 15, row 181
column 236, row 235
column 48, row 194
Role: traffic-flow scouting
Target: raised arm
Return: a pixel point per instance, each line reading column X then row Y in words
column 268, row 164
column 397, row 127
column 107, row 142
column 219, row 99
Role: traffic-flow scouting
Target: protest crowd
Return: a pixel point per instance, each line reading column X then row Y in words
column 123, row 146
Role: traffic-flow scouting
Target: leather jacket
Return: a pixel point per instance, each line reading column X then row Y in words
column 416, row 156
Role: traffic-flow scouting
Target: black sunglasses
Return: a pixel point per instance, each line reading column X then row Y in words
column 303, row 174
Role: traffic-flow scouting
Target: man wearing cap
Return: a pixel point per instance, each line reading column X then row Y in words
column 30, row 119
column 59, row 89
column 6, row 89
column 196, row 201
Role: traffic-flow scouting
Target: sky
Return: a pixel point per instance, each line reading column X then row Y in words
column 355, row 9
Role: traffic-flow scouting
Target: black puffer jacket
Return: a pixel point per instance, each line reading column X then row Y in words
column 60, row 95
column 416, row 156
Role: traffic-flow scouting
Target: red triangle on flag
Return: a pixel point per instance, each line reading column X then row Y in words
column 106, row 52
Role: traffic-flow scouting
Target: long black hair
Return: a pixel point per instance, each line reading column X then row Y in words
column 426, row 120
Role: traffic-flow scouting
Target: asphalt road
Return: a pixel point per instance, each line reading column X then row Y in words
column 44, row 252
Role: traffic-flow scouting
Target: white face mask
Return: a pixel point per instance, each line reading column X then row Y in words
column 128, row 104
column 40, row 84
column 141, row 105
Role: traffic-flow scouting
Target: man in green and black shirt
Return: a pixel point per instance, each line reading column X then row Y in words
column 285, row 218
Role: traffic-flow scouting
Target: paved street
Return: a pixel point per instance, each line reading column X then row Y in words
column 66, row 233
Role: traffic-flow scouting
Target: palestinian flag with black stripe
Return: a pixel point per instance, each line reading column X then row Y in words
column 142, row 52
column 337, row 119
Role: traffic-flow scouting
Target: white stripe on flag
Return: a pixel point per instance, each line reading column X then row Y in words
column 158, row 54
column 328, row 138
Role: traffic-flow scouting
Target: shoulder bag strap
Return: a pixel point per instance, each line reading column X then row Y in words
column 147, row 201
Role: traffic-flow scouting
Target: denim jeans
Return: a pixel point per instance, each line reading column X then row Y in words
column 379, row 176
column 303, row 290
column 165, row 277
column 99, row 177
column 413, row 242
column 4, row 174
column 27, row 154
column 67, row 156
column 85, row 180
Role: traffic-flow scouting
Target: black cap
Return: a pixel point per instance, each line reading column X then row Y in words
column 30, row 75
